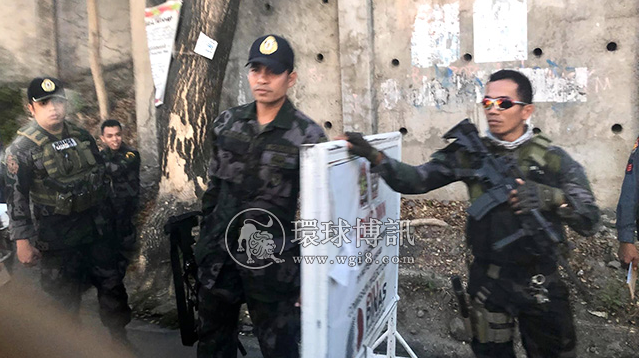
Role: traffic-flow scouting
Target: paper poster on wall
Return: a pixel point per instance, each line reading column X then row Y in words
column 435, row 39
column 161, row 27
column 500, row 30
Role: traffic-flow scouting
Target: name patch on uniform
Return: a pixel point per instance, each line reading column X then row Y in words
column 64, row 144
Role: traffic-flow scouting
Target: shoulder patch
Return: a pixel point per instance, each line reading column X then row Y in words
column 130, row 156
column 12, row 164
column 629, row 167
column 634, row 148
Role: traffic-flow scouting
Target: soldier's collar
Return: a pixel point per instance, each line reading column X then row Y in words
column 283, row 119
column 53, row 137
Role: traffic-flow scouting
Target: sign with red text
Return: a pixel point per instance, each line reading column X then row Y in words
column 349, row 275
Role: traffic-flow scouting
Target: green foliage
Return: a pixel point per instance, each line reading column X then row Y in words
column 614, row 297
column 430, row 286
column 10, row 110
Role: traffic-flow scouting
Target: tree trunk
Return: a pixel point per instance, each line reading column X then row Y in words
column 191, row 103
column 192, row 96
column 95, row 60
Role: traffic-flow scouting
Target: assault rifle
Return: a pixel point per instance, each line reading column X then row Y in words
column 498, row 178
column 179, row 228
column 184, row 272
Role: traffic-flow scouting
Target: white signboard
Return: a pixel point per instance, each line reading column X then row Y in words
column 500, row 29
column 161, row 27
column 4, row 217
column 349, row 285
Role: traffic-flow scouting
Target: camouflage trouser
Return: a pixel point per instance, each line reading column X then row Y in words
column 546, row 329
column 126, row 233
column 66, row 273
column 270, row 294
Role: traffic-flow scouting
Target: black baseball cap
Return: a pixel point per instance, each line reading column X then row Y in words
column 273, row 52
column 42, row 88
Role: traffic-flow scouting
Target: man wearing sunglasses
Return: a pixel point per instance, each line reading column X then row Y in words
column 516, row 281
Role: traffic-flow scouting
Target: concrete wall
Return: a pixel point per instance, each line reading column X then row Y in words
column 415, row 65
column 28, row 45
column 420, row 81
column 115, row 31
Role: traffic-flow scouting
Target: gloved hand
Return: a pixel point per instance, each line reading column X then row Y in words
column 530, row 195
column 361, row 147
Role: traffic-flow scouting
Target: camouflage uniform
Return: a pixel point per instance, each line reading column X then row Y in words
column 499, row 281
column 2, row 199
column 627, row 213
column 69, row 228
column 250, row 168
column 123, row 170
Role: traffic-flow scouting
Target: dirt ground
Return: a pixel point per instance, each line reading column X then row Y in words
column 606, row 322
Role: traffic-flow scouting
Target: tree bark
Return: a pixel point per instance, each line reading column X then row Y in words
column 191, row 103
column 192, row 96
column 95, row 59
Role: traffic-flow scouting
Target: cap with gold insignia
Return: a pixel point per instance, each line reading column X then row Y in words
column 42, row 88
column 273, row 52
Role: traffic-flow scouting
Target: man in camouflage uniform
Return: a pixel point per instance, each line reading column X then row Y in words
column 521, row 280
column 254, row 165
column 2, row 199
column 122, row 164
column 627, row 211
column 55, row 167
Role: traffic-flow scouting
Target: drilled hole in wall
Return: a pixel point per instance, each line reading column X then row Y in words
column 395, row 62
column 536, row 130
column 319, row 57
column 325, row 1
column 328, row 125
column 611, row 46
column 538, row 52
column 268, row 7
column 403, row 131
column 616, row 128
column 468, row 57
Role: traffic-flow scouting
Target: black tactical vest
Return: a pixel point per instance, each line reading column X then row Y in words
column 74, row 181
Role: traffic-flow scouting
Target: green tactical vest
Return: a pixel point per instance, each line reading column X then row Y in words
column 535, row 152
column 74, row 182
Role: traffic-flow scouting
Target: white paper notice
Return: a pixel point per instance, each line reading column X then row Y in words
column 632, row 281
column 205, row 46
column 500, row 30
column 161, row 26
column 435, row 39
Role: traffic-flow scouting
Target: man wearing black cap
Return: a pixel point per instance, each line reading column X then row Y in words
column 55, row 167
column 122, row 164
column 254, row 178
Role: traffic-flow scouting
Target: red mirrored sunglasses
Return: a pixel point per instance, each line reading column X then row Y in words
column 500, row 103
